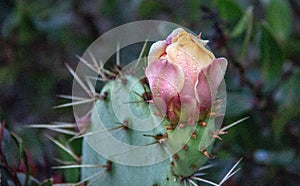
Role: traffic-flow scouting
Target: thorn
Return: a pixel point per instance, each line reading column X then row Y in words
column 217, row 134
column 202, row 180
column 118, row 54
column 205, row 153
column 231, row 172
column 170, row 127
column 123, row 125
column 175, row 157
column 140, row 57
column 184, row 147
column 71, row 97
column 193, row 183
column 199, row 35
column 223, row 131
column 65, row 148
column 108, row 165
column 205, row 167
column 172, row 163
column 160, row 138
column 234, row 123
column 146, row 96
column 79, row 81
column 194, row 135
column 74, row 103
column 203, row 124
column 104, row 96
column 212, row 114
column 193, row 167
column 181, row 125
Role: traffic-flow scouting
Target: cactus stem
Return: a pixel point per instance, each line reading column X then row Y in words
column 205, row 153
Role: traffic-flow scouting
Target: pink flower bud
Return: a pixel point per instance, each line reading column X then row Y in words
column 184, row 76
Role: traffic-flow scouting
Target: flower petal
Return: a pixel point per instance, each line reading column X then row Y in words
column 174, row 34
column 215, row 72
column 203, row 91
column 189, row 112
column 165, row 79
column 157, row 49
column 209, row 80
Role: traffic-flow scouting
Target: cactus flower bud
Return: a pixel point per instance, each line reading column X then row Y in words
column 183, row 76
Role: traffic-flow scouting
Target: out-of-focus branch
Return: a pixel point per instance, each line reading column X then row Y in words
column 221, row 40
column 87, row 19
column 3, row 162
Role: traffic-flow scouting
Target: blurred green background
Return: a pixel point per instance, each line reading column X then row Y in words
column 260, row 39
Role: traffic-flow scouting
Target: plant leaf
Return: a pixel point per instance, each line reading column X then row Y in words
column 271, row 54
column 228, row 9
column 279, row 17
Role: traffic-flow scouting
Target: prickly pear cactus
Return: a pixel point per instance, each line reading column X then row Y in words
column 141, row 134
column 163, row 138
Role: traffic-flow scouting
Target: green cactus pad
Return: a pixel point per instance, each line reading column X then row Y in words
column 132, row 145
column 192, row 156
column 104, row 117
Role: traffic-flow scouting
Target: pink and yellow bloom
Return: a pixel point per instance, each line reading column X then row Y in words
column 184, row 76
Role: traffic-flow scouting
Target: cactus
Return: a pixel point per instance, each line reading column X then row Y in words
column 134, row 143
column 139, row 132
column 190, row 146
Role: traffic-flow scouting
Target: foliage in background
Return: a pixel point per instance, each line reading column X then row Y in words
column 261, row 40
